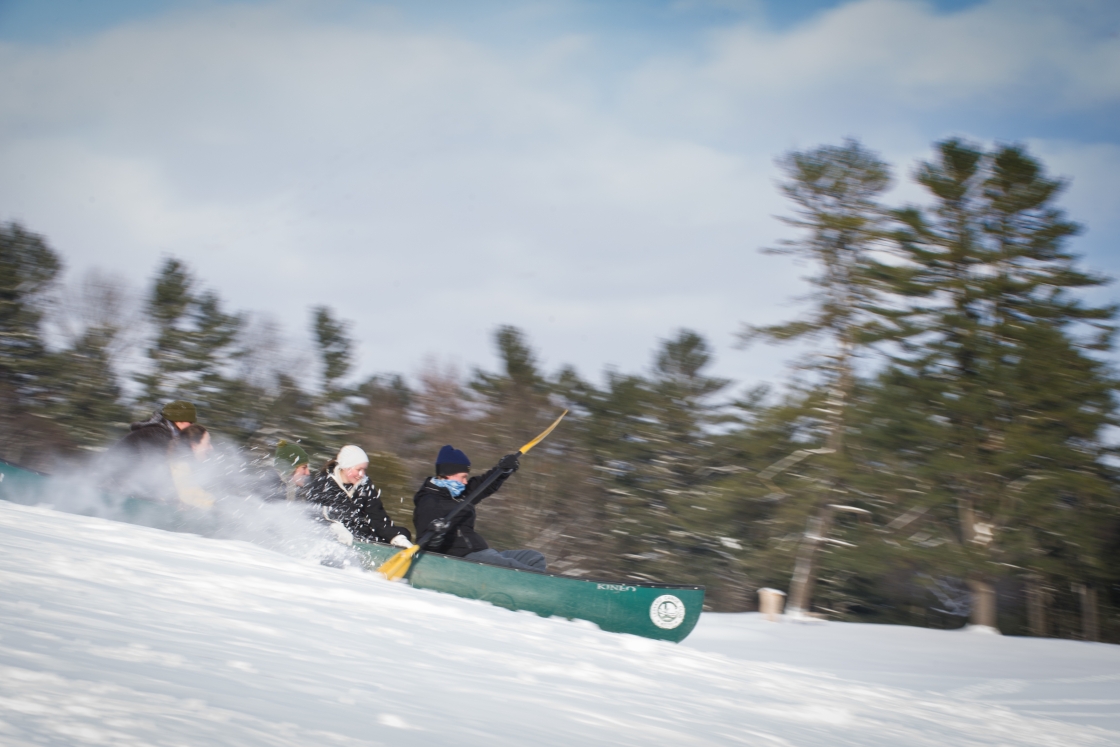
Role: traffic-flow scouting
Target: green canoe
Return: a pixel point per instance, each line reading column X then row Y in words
column 659, row 611
column 662, row 611
column 19, row 482
column 22, row 485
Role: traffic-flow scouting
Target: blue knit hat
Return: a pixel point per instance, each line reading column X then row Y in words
column 451, row 461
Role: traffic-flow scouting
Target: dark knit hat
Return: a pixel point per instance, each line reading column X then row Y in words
column 451, row 461
column 290, row 456
column 180, row 411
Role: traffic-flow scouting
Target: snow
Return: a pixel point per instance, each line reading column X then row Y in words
column 1073, row 681
column 115, row 634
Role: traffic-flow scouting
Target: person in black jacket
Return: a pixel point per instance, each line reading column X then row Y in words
column 155, row 435
column 352, row 504
column 138, row 464
column 439, row 496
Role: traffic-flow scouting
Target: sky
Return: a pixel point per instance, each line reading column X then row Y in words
column 599, row 175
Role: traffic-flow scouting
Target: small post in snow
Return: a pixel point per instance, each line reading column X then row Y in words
column 770, row 603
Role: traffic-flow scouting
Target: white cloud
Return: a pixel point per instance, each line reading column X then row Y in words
column 431, row 186
column 893, row 58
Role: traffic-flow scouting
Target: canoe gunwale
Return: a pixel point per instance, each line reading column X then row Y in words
column 643, row 584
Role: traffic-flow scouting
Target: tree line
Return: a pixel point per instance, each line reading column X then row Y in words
column 939, row 457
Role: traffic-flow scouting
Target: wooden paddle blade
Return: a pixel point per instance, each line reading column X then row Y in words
column 395, row 567
column 541, row 437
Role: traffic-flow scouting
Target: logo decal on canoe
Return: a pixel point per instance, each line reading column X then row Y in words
column 616, row 587
column 667, row 611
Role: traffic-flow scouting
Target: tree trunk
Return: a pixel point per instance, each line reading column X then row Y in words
column 1090, row 622
column 1036, row 606
column 967, row 519
column 804, row 570
column 983, row 604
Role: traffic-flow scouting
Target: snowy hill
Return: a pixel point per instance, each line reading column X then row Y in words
column 116, row 634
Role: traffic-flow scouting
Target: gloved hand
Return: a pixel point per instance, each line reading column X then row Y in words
column 439, row 527
column 510, row 462
column 400, row 541
column 341, row 533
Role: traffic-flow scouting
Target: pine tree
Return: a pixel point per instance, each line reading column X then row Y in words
column 334, row 407
column 213, row 350
column 520, row 378
column 613, row 425
column 28, row 271
column 652, row 443
column 332, row 338
column 542, row 506
column 384, row 428
column 86, row 397
column 844, row 229
column 167, row 307
column 195, row 355
column 1003, row 350
column 383, row 417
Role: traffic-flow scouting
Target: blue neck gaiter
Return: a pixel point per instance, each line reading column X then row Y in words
column 456, row 488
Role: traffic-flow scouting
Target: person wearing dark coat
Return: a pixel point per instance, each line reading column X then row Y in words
column 352, row 504
column 440, row 495
column 138, row 464
column 155, row 435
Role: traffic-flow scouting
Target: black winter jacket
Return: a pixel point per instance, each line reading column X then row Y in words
column 362, row 512
column 137, row 465
column 434, row 502
column 152, row 437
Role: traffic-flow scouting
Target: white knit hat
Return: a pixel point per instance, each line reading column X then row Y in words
column 351, row 456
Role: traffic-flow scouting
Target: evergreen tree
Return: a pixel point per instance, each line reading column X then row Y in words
column 86, row 398
column 28, row 270
column 194, row 350
column 652, row 443
column 383, row 419
column 520, row 377
column 92, row 319
column 289, row 415
column 799, row 509
column 1003, row 351
column 334, row 407
column 383, row 427
column 836, row 191
column 333, row 341
column 167, row 307
column 229, row 402
column 543, row 503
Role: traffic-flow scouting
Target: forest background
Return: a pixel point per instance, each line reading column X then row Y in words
column 940, row 456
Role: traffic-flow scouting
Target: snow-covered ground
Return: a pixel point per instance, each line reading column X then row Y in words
column 115, row 634
column 1071, row 681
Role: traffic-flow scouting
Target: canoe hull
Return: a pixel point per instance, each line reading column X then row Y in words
column 659, row 611
column 21, row 485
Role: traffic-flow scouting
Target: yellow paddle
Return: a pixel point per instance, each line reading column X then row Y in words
column 397, row 566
